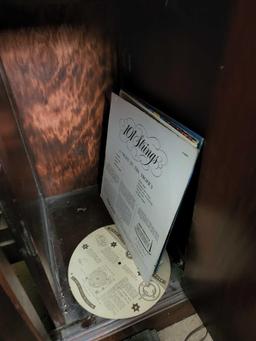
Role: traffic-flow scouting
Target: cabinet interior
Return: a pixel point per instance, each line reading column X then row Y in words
column 60, row 62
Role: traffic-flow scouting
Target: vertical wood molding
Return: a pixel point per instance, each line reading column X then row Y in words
column 15, row 291
column 220, row 271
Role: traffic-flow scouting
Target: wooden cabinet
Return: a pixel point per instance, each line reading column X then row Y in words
column 195, row 61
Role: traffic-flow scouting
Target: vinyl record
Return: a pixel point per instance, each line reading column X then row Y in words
column 105, row 281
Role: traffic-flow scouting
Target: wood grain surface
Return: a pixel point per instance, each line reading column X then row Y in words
column 16, row 301
column 21, row 204
column 172, row 53
column 220, row 273
column 59, row 78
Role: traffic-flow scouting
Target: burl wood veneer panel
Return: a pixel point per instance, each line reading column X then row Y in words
column 59, row 78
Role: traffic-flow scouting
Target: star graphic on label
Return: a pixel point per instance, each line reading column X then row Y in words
column 85, row 246
column 113, row 244
column 135, row 307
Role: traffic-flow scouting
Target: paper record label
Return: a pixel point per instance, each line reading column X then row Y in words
column 105, row 281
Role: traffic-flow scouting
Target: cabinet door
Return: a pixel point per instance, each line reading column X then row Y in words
column 220, row 271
